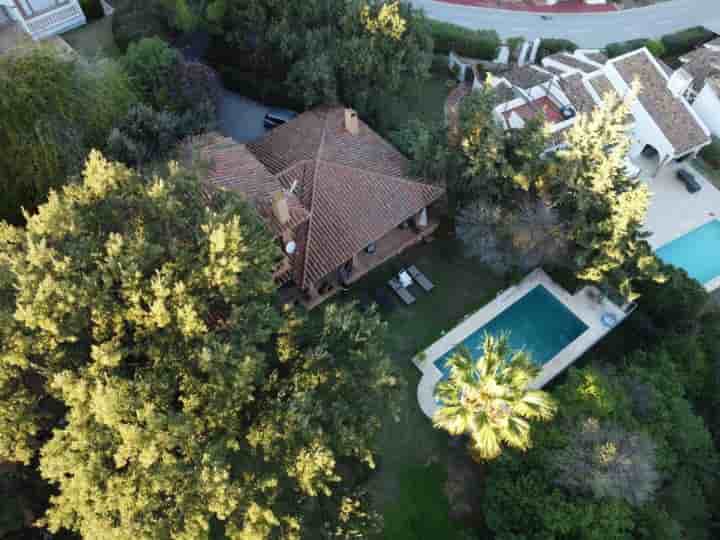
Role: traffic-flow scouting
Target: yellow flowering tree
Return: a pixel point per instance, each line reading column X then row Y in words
column 144, row 365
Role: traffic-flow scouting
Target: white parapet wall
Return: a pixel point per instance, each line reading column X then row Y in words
column 57, row 21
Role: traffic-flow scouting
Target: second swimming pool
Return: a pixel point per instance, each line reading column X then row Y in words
column 697, row 252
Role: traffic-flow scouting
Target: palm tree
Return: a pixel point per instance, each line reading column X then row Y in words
column 489, row 399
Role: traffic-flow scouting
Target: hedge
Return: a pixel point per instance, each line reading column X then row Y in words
column 686, row 40
column 136, row 19
column 480, row 44
column 550, row 46
column 621, row 47
column 93, row 9
column 711, row 153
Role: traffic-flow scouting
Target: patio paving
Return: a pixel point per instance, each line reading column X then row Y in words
column 673, row 211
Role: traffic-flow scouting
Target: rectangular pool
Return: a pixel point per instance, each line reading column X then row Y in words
column 697, row 252
column 538, row 323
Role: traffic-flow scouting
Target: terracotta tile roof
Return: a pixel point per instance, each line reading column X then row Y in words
column 348, row 190
column 526, row 77
column 352, row 208
column 702, row 64
column 572, row 62
column 598, row 57
column 233, row 166
column 671, row 114
column 602, row 85
column 575, row 90
column 321, row 134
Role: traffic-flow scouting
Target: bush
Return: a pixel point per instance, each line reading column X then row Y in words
column 152, row 66
column 480, row 44
column 550, row 46
column 135, row 20
column 686, row 40
column 656, row 47
column 711, row 153
column 621, row 47
column 267, row 91
column 93, row 9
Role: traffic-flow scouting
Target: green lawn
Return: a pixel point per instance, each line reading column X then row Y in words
column 462, row 285
column 426, row 101
column 94, row 39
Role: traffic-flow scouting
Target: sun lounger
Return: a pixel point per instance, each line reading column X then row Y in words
column 421, row 279
column 401, row 291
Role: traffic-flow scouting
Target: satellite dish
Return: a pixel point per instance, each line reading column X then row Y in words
column 290, row 247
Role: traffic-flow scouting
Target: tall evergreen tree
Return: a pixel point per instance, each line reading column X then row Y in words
column 143, row 361
column 604, row 209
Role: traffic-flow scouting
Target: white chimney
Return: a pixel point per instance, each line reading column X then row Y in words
column 280, row 207
column 679, row 82
column 352, row 124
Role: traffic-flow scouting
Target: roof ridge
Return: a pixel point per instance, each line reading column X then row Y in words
column 312, row 202
column 398, row 179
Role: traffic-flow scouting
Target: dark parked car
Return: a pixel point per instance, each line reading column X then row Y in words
column 277, row 117
column 688, row 179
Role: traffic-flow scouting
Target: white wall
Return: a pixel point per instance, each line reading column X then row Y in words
column 707, row 107
column 645, row 130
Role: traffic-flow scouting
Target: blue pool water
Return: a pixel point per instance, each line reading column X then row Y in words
column 538, row 323
column 697, row 252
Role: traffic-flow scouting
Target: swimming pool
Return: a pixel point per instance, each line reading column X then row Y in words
column 697, row 252
column 538, row 323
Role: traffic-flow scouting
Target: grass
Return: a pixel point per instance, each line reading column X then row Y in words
column 419, row 513
column 462, row 285
column 425, row 102
column 94, row 39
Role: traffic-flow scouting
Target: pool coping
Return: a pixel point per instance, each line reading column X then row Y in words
column 714, row 283
column 587, row 310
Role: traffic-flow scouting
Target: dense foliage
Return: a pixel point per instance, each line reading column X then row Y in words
column 351, row 52
column 550, row 46
column 479, row 44
column 686, row 40
column 145, row 369
column 54, row 109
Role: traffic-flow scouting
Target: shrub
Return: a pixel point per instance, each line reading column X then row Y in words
column 92, row 8
column 481, row 44
column 686, row 40
column 656, row 47
column 137, row 19
column 152, row 66
column 711, row 153
column 621, row 47
column 550, row 46
column 143, row 136
column 270, row 92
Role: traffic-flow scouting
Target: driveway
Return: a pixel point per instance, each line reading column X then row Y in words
column 592, row 30
column 240, row 118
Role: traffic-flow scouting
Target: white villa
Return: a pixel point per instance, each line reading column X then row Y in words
column 40, row 18
column 664, row 124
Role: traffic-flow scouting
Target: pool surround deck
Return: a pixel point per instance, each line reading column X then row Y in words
column 673, row 212
column 585, row 308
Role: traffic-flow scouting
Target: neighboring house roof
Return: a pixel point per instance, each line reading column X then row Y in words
column 670, row 113
column 602, row 85
column 598, row 57
column 702, row 64
column 571, row 61
column 349, row 190
column 526, row 77
column 574, row 88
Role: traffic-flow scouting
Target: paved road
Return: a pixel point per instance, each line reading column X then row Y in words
column 587, row 30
